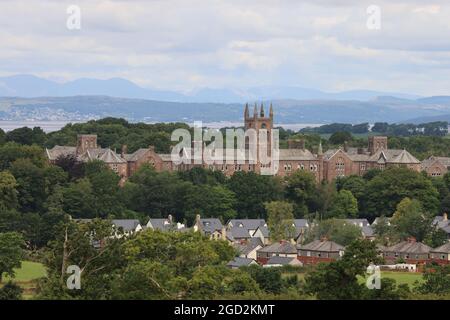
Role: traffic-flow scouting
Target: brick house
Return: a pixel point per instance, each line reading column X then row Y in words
column 411, row 251
column 277, row 249
column 441, row 254
column 319, row 251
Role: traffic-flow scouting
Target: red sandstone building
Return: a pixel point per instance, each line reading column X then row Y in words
column 333, row 163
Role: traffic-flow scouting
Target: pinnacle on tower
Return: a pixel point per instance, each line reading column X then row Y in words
column 255, row 111
column 271, row 111
column 320, row 151
column 261, row 113
column 246, row 115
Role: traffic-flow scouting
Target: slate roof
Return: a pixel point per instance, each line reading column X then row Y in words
column 264, row 230
column 442, row 223
column 397, row 156
column 249, row 224
column 240, row 262
column 276, row 260
column 209, row 225
column 235, row 233
column 57, row 151
column 126, row 224
column 284, row 247
column 110, row 156
column 442, row 249
column 323, row 246
column 409, row 247
column 296, row 154
column 248, row 246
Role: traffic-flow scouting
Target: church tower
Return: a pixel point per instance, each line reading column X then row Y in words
column 257, row 122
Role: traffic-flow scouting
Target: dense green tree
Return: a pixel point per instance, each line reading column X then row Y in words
column 410, row 220
column 268, row 279
column 252, row 191
column 280, row 219
column 301, row 189
column 436, row 280
column 11, row 291
column 30, row 185
column 156, row 194
column 11, row 253
column 210, row 201
column 344, row 205
column 8, row 191
column 339, row 138
column 336, row 230
column 339, row 279
column 391, row 186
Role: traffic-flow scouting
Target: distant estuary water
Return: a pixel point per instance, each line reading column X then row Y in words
column 49, row 126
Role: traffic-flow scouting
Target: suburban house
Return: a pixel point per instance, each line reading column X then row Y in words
column 127, row 226
column 211, row 227
column 241, row 262
column 262, row 233
column 249, row 224
column 248, row 248
column 319, row 251
column 366, row 229
column 411, row 251
column 277, row 261
column 167, row 224
column 278, row 249
column 441, row 254
column 300, row 226
column 443, row 223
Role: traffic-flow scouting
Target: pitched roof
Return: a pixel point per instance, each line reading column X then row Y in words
column 296, row 154
column 60, row 151
column 277, row 260
column 394, row 156
column 249, row 224
column 110, row 156
column 320, row 245
column 280, row 247
column 264, row 231
column 126, row 224
column 358, row 222
column 248, row 246
column 445, row 248
column 238, row 233
column 409, row 247
column 209, row 225
column 240, row 262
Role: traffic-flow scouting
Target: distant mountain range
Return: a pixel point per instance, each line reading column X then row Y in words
column 287, row 111
column 29, row 86
column 27, row 97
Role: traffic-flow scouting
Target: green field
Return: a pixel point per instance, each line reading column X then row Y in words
column 29, row 271
column 408, row 278
column 26, row 275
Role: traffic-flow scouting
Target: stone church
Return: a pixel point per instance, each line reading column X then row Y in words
column 343, row 161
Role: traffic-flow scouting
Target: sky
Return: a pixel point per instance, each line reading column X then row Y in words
column 188, row 44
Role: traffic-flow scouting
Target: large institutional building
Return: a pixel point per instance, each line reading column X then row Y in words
column 327, row 165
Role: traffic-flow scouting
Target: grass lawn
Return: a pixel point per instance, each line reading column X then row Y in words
column 25, row 275
column 408, row 278
column 29, row 271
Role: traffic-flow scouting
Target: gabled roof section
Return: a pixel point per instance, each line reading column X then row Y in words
column 60, row 151
column 405, row 158
column 320, row 245
column 284, row 247
column 110, row 156
column 296, row 154
column 409, row 247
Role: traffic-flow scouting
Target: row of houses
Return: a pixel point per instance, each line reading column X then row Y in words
column 283, row 253
column 251, row 239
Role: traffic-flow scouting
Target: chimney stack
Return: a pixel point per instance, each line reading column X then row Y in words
column 124, row 150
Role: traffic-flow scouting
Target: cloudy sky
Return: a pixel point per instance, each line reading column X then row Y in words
column 187, row 44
